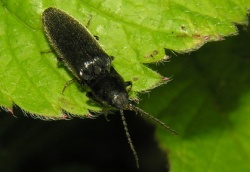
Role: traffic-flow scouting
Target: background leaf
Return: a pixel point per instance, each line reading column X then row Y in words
column 208, row 103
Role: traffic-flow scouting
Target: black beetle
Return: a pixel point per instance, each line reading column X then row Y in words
column 90, row 64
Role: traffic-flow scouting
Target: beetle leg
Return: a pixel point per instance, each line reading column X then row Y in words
column 112, row 58
column 128, row 85
column 59, row 59
column 45, row 52
column 90, row 18
column 91, row 96
column 67, row 84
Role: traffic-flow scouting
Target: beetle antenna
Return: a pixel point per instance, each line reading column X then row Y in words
column 136, row 109
column 129, row 138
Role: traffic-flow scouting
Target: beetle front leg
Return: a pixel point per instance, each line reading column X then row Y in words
column 128, row 85
column 91, row 96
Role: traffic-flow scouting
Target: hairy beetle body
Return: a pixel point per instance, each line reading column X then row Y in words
column 90, row 64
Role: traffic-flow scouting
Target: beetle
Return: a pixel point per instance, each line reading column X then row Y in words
column 91, row 65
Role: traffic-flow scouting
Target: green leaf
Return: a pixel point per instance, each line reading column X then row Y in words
column 208, row 104
column 34, row 81
column 127, row 30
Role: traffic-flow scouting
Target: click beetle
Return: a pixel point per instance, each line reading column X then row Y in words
column 91, row 65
